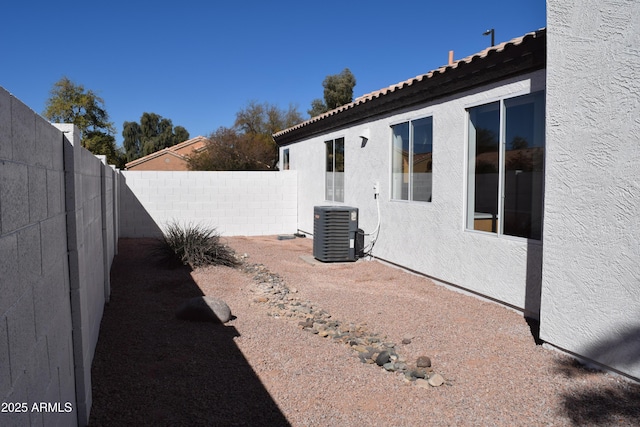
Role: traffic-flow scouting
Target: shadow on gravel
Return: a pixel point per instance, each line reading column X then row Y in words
column 617, row 404
column 152, row 369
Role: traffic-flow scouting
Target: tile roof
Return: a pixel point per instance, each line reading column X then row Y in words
column 169, row 150
column 502, row 49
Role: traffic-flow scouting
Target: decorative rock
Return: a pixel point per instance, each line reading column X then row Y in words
column 423, row 383
column 423, row 362
column 307, row 324
column 418, row 373
column 204, row 309
column 360, row 348
column 401, row 366
column 383, row 357
column 391, row 367
column 370, row 348
column 435, row 380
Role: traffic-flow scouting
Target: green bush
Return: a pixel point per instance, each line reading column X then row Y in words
column 198, row 246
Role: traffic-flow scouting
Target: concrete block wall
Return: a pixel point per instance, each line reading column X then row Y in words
column 110, row 217
column 36, row 349
column 236, row 203
column 88, row 183
column 58, row 236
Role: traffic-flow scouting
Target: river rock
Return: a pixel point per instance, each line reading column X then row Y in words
column 383, row 357
column 435, row 380
column 390, row 366
column 422, row 383
column 418, row 373
column 423, row 362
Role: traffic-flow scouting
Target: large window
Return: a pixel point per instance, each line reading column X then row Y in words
column 506, row 167
column 411, row 160
column 334, row 177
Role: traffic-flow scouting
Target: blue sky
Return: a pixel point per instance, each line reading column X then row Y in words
column 199, row 62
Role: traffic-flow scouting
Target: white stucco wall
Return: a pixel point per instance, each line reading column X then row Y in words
column 236, row 203
column 591, row 266
column 427, row 237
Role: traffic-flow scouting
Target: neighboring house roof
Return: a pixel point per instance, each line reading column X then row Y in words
column 179, row 152
column 517, row 56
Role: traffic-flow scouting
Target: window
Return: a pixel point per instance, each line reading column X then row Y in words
column 285, row 159
column 506, row 167
column 411, row 160
column 334, row 182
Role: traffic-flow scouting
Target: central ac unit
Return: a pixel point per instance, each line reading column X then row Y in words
column 335, row 234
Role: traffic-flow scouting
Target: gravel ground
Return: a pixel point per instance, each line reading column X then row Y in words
column 261, row 370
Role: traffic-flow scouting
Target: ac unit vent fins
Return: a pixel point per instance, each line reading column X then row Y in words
column 335, row 230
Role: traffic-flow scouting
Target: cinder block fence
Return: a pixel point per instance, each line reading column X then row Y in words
column 235, row 203
column 57, row 240
column 62, row 210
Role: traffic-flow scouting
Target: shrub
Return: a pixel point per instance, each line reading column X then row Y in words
column 197, row 246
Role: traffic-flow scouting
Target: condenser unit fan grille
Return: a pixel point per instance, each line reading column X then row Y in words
column 334, row 233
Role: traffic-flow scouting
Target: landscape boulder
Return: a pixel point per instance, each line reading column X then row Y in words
column 204, row 309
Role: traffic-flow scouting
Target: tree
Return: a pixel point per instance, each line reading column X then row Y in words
column 265, row 118
column 181, row 134
column 232, row 150
column 102, row 144
column 71, row 103
column 249, row 144
column 338, row 90
column 152, row 134
column 317, row 107
column 132, row 144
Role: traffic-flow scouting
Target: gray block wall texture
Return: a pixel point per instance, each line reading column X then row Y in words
column 62, row 210
column 56, row 247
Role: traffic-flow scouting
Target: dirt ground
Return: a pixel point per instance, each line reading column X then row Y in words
column 151, row 368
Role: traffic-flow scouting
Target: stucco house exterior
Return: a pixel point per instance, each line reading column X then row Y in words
column 469, row 171
column 438, row 175
column 172, row 158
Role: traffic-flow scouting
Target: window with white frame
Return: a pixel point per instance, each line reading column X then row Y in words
column 334, row 175
column 506, row 166
column 411, row 159
column 285, row 159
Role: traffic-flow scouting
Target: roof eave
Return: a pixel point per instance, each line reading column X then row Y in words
column 511, row 60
